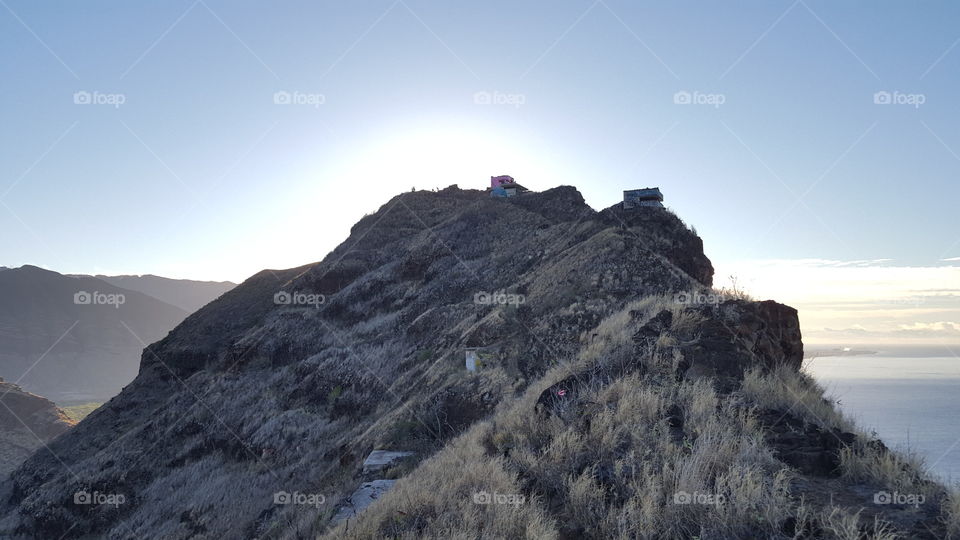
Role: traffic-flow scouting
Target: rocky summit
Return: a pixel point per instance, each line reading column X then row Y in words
column 545, row 370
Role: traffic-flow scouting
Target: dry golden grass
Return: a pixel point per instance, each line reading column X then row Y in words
column 896, row 471
column 797, row 392
column 841, row 524
column 610, row 343
column 684, row 320
column 439, row 501
column 617, row 475
column 951, row 513
column 614, row 462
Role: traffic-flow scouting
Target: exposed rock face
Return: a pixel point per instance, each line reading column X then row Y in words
column 806, row 447
column 27, row 422
column 661, row 227
column 728, row 338
column 716, row 341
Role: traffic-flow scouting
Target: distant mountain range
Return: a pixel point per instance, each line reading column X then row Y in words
column 75, row 337
column 186, row 294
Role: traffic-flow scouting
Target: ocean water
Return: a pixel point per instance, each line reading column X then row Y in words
column 909, row 398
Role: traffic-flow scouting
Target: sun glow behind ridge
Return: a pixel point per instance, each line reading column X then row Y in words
column 321, row 201
column 434, row 157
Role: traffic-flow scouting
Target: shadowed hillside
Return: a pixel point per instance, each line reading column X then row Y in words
column 75, row 338
column 78, row 338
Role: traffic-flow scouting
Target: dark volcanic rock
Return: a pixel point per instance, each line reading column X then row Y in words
column 714, row 341
column 809, row 448
column 662, row 227
column 729, row 338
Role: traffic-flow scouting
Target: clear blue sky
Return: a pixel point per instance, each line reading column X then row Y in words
column 200, row 174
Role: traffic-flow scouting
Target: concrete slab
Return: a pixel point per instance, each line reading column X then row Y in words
column 379, row 460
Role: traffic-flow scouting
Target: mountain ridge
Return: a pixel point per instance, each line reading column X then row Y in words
column 286, row 382
column 187, row 294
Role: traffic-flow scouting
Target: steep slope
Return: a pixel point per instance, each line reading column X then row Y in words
column 27, row 422
column 187, row 294
column 678, row 422
column 284, row 384
column 75, row 338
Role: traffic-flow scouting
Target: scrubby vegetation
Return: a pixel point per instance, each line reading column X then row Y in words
column 640, row 455
column 80, row 411
column 794, row 392
column 951, row 513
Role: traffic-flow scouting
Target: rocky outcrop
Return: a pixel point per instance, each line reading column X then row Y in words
column 809, row 448
column 668, row 235
column 715, row 341
column 723, row 340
